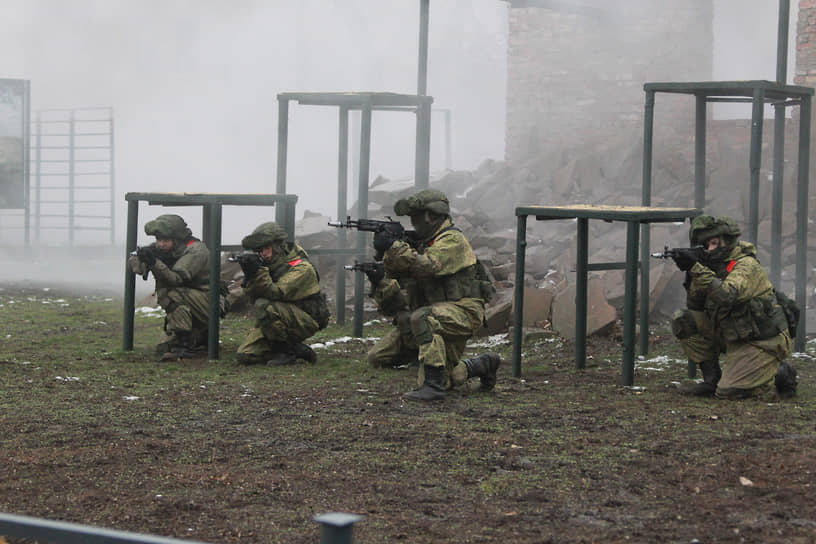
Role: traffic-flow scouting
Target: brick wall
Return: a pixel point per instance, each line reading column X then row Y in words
column 576, row 71
column 806, row 44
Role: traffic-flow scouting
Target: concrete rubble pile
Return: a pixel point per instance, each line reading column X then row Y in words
column 483, row 205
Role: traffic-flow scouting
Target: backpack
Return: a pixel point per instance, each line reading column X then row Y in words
column 791, row 311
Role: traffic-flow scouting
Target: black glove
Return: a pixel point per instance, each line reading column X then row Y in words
column 383, row 239
column 250, row 264
column 147, row 255
column 376, row 275
column 685, row 258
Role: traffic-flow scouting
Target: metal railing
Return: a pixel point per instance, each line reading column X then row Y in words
column 336, row 528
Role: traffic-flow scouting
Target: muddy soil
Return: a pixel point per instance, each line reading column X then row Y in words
column 218, row 452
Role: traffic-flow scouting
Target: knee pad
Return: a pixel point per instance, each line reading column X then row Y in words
column 423, row 325
column 683, row 325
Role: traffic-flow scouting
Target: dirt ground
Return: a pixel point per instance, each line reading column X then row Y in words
column 218, row 452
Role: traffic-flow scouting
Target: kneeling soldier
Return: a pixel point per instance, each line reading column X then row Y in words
column 180, row 265
column 439, row 289
column 287, row 303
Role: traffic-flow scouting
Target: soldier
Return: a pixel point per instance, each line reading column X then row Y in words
column 288, row 304
column 438, row 290
column 732, row 309
column 180, row 265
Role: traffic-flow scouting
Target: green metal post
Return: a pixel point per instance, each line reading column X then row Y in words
column 214, row 220
column 581, row 285
column 755, row 163
column 342, row 211
column 422, row 155
column 700, row 152
column 645, row 278
column 362, row 209
column 630, row 290
column 779, row 145
column 422, row 65
column 283, row 150
column 776, row 194
column 129, row 305
column 518, row 293
column 782, row 42
column 802, row 220
column 648, row 133
column 206, row 235
column 288, row 215
column 336, row 527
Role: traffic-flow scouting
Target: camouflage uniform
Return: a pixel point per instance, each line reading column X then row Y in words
column 288, row 304
column 732, row 309
column 437, row 290
column 182, row 284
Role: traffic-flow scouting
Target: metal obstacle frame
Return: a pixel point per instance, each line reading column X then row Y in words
column 366, row 103
column 212, row 204
column 757, row 93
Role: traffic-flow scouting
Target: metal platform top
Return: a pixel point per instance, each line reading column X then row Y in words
column 771, row 89
column 197, row 199
column 645, row 214
column 358, row 99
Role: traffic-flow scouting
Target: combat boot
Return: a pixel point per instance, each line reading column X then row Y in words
column 182, row 347
column 711, row 377
column 304, row 352
column 484, row 367
column 282, row 355
column 433, row 388
column 785, row 380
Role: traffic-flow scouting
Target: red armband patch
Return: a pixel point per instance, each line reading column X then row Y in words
column 730, row 266
column 295, row 262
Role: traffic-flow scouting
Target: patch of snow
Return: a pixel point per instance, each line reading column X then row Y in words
column 494, row 340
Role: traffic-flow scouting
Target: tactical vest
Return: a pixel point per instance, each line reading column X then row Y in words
column 759, row 318
column 317, row 306
column 470, row 282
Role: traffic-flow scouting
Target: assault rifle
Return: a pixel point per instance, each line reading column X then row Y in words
column 145, row 254
column 365, row 268
column 671, row 253
column 250, row 263
column 374, row 271
column 390, row 228
column 246, row 257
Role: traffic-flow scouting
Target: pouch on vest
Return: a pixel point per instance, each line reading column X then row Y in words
column 791, row 310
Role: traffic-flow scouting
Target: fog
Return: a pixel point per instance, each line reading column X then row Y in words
column 193, row 83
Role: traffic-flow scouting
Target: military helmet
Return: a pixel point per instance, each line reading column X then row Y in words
column 265, row 234
column 168, row 226
column 728, row 227
column 702, row 228
column 426, row 200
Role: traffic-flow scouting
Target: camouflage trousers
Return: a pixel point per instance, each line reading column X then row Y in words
column 441, row 331
column 746, row 366
column 396, row 347
column 276, row 323
column 187, row 311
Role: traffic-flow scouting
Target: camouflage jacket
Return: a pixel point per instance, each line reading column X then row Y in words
column 738, row 298
column 289, row 278
column 187, row 265
column 444, row 268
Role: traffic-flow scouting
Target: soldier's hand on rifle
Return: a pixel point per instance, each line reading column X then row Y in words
column 250, row 264
column 375, row 275
column 147, row 255
column 383, row 240
column 685, row 258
